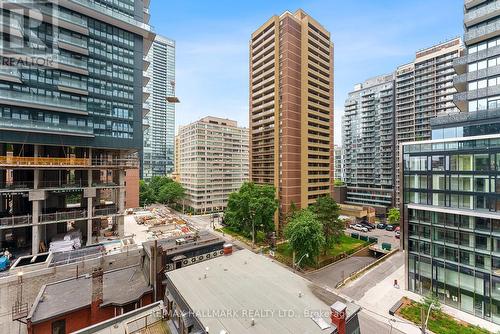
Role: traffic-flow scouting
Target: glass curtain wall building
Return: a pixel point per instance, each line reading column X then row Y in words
column 71, row 92
column 159, row 133
column 451, row 184
column 452, row 221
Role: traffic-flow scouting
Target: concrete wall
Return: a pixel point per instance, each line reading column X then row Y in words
column 10, row 288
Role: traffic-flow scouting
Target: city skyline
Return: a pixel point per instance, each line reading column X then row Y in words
column 213, row 60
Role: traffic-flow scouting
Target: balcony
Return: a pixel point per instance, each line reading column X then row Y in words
column 44, row 127
column 482, row 14
column 107, row 14
column 72, row 86
column 10, row 74
column 29, row 100
column 71, row 43
column 482, row 33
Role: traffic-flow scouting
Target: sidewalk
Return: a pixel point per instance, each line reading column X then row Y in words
column 381, row 297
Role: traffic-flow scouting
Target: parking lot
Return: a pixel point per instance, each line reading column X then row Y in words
column 382, row 235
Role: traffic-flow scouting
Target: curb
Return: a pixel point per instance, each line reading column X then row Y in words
column 338, row 261
column 362, row 270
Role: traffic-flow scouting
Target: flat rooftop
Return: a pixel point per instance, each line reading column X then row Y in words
column 120, row 286
column 245, row 286
column 170, row 245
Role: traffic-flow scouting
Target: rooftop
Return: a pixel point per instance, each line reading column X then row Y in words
column 120, row 286
column 175, row 245
column 248, row 286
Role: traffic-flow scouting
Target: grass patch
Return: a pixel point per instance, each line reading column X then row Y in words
column 439, row 322
column 345, row 247
column 246, row 238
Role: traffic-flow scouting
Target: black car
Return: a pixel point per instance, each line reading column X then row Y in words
column 368, row 225
column 389, row 228
column 381, row 226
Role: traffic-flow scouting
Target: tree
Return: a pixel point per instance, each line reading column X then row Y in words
column 292, row 210
column 171, row 192
column 327, row 212
column 393, row 216
column 252, row 207
column 305, row 235
column 338, row 182
column 160, row 189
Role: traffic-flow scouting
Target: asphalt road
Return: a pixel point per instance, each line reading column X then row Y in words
column 333, row 274
column 358, row 288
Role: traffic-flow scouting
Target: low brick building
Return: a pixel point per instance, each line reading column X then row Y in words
column 72, row 304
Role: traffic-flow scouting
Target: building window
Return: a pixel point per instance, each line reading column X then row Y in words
column 59, row 326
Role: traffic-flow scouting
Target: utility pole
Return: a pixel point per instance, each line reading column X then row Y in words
column 422, row 318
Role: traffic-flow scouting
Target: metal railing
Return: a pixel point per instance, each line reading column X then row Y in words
column 139, row 325
column 106, row 211
column 16, row 220
column 60, row 216
column 33, row 161
column 44, row 161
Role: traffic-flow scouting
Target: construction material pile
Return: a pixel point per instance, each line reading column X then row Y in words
column 66, row 242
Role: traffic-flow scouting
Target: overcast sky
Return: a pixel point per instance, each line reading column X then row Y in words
column 371, row 37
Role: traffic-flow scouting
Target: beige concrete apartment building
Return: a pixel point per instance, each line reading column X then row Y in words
column 213, row 162
column 291, row 109
column 424, row 90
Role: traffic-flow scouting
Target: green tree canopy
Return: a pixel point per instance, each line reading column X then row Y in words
column 338, row 182
column 160, row 189
column 393, row 216
column 327, row 212
column 252, row 206
column 305, row 235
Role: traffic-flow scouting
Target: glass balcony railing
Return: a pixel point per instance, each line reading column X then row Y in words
column 72, row 83
column 112, row 13
column 33, row 99
column 11, row 72
column 82, row 43
column 38, row 125
column 56, row 13
column 65, row 60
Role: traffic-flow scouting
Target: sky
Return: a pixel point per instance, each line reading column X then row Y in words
column 371, row 37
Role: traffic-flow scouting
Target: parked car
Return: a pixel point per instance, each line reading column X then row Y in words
column 381, row 226
column 358, row 227
column 389, row 228
column 398, row 235
column 373, row 226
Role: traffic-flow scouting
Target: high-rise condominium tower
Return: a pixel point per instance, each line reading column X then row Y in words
column 158, row 158
column 368, row 135
column 71, row 113
column 424, row 90
column 451, row 184
column 291, row 109
column 212, row 162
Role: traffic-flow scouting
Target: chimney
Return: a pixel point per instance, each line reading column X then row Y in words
column 228, row 249
column 97, row 294
column 338, row 316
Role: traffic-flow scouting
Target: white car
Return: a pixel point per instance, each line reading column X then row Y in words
column 359, row 227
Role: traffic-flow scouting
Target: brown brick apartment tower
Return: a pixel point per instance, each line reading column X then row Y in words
column 291, row 109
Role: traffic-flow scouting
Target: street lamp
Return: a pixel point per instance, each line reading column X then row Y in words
column 295, row 265
column 424, row 324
